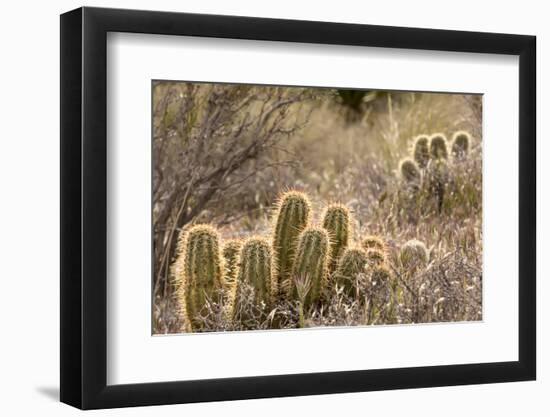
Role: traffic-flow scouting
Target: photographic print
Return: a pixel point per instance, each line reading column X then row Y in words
column 282, row 207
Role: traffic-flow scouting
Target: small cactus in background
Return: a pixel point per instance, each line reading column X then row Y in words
column 292, row 218
column 460, row 145
column 437, row 179
column 311, row 263
column 421, row 151
column 231, row 250
column 410, row 172
column 375, row 257
column 255, row 269
column 438, row 146
column 374, row 242
column 414, row 254
column 381, row 295
column 198, row 272
column 381, row 274
column 354, row 261
column 337, row 222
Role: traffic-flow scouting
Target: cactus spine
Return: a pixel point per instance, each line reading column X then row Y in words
column 198, row 272
column 438, row 146
column 421, row 151
column 255, row 269
column 311, row 264
column 292, row 218
column 354, row 261
column 337, row 222
column 460, row 145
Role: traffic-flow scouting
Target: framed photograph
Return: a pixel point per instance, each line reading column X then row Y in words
column 259, row 208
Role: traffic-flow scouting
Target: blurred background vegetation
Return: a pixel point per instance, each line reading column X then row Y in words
column 222, row 153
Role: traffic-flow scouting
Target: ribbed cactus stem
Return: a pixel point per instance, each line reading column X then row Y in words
column 311, row 266
column 198, row 272
column 292, row 217
column 255, row 269
column 337, row 222
column 460, row 145
column 410, row 172
column 438, row 146
column 421, row 150
column 438, row 179
column 354, row 261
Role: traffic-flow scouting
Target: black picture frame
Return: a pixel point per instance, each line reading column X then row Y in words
column 84, row 207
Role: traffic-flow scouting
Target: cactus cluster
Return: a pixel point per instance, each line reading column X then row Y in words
column 433, row 150
column 369, row 261
column 428, row 164
column 299, row 263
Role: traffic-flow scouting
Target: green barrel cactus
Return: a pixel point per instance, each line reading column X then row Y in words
column 414, row 254
column 256, row 269
column 438, row 146
column 354, row 261
column 311, row 265
column 337, row 222
column 293, row 212
column 460, row 145
column 198, row 272
column 421, row 151
column 410, row 172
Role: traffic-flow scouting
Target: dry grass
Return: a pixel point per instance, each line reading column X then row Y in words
column 356, row 165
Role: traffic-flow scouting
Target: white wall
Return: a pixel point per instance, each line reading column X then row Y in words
column 29, row 237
